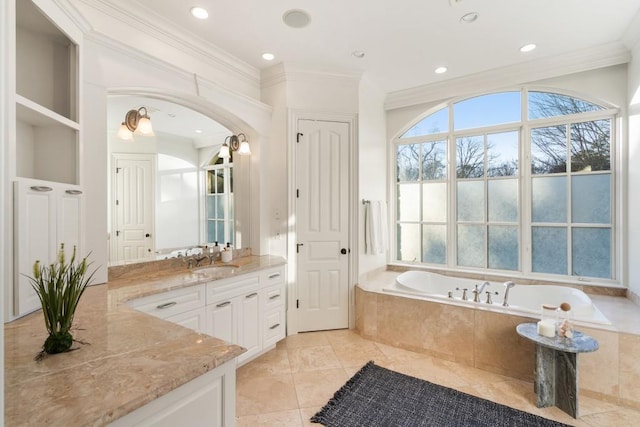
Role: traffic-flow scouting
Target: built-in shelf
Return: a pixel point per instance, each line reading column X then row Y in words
column 35, row 114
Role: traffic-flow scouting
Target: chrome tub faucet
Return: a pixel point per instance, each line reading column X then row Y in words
column 507, row 285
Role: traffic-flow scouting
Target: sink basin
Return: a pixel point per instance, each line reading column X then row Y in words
column 214, row 269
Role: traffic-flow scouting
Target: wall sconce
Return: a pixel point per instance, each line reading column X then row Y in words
column 135, row 121
column 234, row 143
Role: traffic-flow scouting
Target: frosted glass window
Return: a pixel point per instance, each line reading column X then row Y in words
column 503, row 200
column 408, row 209
column 471, row 201
column 471, row 245
column 503, row 247
column 408, row 242
column 470, row 157
column 434, row 160
column 549, row 199
column 590, row 144
column 502, row 154
column 591, row 199
column 408, row 162
column 549, row 150
column 547, row 104
column 433, row 123
column 434, row 244
column 592, row 252
column 487, row 110
column 549, row 250
column 434, row 202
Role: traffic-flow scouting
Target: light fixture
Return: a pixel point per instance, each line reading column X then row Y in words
column 268, row 56
column 296, row 18
column 199, row 12
column 135, row 121
column 440, row 70
column 469, row 17
column 237, row 143
column 527, row 47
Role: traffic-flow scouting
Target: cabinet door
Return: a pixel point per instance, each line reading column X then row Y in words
column 249, row 325
column 69, row 222
column 35, row 238
column 221, row 321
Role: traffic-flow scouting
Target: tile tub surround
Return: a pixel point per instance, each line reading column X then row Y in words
column 488, row 340
column 131, row 358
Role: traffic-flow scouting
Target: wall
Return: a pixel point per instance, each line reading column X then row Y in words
column 373, row 148
column 633, row 189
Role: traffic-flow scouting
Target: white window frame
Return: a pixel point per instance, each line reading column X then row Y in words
column 227, row 168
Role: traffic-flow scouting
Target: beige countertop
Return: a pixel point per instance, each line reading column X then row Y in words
column 129, row 358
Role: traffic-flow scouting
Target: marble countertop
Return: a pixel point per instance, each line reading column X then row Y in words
column 580, row 343
column 127, row 360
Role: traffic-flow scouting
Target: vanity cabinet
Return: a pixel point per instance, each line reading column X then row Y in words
column 46, row 214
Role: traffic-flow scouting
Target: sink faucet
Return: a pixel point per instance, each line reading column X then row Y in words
column 507, row 285
column 478, row 291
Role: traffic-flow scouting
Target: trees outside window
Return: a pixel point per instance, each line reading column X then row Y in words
column 219, row 215
column 463, row 185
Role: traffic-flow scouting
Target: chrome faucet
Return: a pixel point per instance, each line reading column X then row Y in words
column 507, row 285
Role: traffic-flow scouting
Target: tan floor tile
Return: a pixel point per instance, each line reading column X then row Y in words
column 307, row 413
column 289, row 418
column 274, row 362
column 357, row 354
column 307, row 339
column 620, row 418
column 431, row 369
column 344, row 336
column 262, row 395
column 317, row 387
column 590, row 406
column 394, row 354
column 313, row 358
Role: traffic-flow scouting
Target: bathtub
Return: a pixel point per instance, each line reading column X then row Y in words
column 523, row 299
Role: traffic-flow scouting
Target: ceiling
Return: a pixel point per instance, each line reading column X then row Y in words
column 404, row 41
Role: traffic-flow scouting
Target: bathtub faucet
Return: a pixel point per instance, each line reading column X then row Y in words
column 464, row 293
column 478, row 291
column 507, row 285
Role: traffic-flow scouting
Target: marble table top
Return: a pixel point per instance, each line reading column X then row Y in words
column 128, row 358
column 580, row 343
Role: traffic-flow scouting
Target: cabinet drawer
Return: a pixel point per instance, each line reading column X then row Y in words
column 171, row 303
column 272, row 276
column 221, row 290
column 192, row 319
column 274, row 296
column 274, row 327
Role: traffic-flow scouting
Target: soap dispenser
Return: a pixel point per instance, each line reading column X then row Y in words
column 227, row 253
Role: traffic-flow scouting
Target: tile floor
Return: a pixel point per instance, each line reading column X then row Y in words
column 289, row 384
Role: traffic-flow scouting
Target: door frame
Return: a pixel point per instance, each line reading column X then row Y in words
column 113, row 249
column 292, row 265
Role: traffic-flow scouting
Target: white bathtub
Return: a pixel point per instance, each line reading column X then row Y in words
column 523, row 299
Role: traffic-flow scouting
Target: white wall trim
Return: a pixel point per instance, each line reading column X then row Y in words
column 288, row 72
column 352, row 119
column 553, row 66
column 153, row 25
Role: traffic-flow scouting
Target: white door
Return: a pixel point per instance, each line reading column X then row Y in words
column 133, row 201
column 322, row 231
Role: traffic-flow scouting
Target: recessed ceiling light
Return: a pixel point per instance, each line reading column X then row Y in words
column 296, row 18
column 268, row 56
column 199, row 12
column 527, row 47
column 198, row 130
column 440, row 70
column 357, row 54
column 469, row 17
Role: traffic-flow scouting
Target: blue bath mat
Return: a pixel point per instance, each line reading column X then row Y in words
column 376, row 396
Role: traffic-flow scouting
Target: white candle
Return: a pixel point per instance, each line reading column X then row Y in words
column 547, row 328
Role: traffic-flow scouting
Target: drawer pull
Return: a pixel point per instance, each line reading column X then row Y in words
column 274, row 326
column 166, row 305
column 223, row 304
column 41, row 188
column 274, row 275
column 73, row 192
column 251, row 295
column 272, row 297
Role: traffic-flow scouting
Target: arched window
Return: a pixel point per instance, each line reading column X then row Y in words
column 219, row 214
column 495, row 183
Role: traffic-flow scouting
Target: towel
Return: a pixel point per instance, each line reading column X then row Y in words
column 375, row 227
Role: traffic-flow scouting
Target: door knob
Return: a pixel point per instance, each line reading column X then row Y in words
column 147, row 235
column 343, row 251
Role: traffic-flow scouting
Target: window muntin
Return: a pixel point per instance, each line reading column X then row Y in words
column 568, row 182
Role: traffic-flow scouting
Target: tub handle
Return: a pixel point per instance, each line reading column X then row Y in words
column 464, row 293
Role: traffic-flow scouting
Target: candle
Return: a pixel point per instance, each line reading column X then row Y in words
column 547, row 328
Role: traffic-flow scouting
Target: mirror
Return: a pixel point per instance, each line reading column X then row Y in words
column 170, row 191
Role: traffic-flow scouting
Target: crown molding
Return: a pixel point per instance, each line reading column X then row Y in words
column 74, row 14
column 153, row 25
column 287, row 72
column 553, row 66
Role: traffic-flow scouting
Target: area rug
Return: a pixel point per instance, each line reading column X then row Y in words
column 376, row 396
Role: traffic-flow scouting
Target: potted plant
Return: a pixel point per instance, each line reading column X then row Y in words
column 59, row 287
